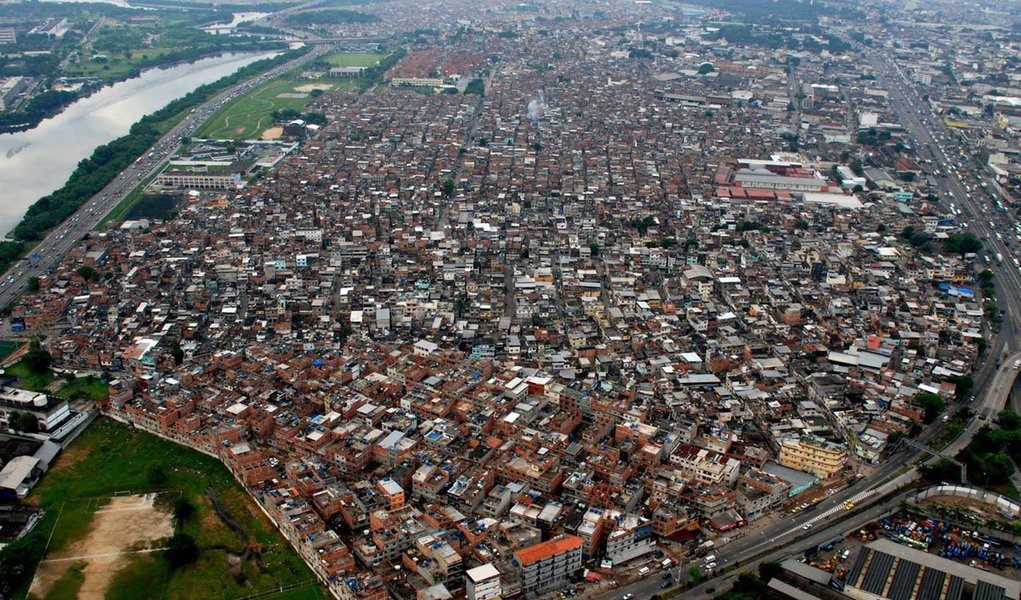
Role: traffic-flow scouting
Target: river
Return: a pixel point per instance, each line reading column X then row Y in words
column 238, row 19
column 36, row 162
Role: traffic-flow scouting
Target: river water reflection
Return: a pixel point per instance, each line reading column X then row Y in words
column 34, row 163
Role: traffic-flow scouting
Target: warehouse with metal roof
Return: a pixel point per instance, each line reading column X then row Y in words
column 886, row 569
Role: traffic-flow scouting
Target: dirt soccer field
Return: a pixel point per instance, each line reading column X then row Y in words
column 125, row 526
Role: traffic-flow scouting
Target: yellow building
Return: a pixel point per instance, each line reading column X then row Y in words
column 813, row 455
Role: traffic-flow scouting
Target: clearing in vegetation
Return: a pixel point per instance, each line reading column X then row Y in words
column 353, row 59
column 120, row 527
column 82, row 494
column 248, row 116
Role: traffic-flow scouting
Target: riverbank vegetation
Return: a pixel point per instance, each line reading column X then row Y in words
column 123, row 48
column 95, row 172
column 66, row 51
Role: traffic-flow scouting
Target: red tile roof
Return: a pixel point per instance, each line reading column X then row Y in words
column 538, row 552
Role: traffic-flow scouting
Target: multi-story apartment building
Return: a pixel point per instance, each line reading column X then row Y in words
column 705, row 466
column 813, row 455
column 548, row 565
column 630, row 538
column 199, row 180
column 483, row 583
column 49, row 411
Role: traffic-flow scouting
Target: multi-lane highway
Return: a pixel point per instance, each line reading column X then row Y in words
column 931, row 136
column 67, row 235
column 646, row 588
column 758, row 541
column 994, row 378
column 871, row 497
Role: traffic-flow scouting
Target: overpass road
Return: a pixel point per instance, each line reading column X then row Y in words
column 871, row 497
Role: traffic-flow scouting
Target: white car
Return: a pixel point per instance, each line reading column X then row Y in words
column 806, row 526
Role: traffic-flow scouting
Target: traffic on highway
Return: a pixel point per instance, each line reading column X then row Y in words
column 68, row 234
column 969, row 197
column 966, row 192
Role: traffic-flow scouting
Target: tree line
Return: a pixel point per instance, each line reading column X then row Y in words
column 108, row 160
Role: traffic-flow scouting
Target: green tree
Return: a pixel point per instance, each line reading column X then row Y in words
column 748, row 585
column 156, row 476
column 177, row 353
column 962, row 243
column 963, row 383
column 18, row 560
column 1009, row 420
column 183, row 509
column 932, row 405
column 37, row 359
column 461, row 305
column 941, row 470
column 88, row 273
column 181, row 550
column 25, row 422
column 33, row 284
column 996, row 468
column 769, row 570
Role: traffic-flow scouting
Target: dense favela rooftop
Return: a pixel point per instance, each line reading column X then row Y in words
column 612, row 299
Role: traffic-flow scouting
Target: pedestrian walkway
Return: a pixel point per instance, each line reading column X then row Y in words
column 856, row 498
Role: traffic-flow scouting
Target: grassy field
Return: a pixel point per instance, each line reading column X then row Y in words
column 248, row 116
column 112, row 458
column 68, row 585
column 353, row 59
column 155, row 206
column 90, row 388
column 114, row 65
column 309, row 592
column 28, row 380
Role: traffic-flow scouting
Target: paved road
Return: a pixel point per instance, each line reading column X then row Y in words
column 920, row 123
column 792, row 547
column 992, row 389
column 66, row 236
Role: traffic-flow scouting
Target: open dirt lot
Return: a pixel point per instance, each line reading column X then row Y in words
column 273, row 133
column 310, row 87
column 124, row 526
